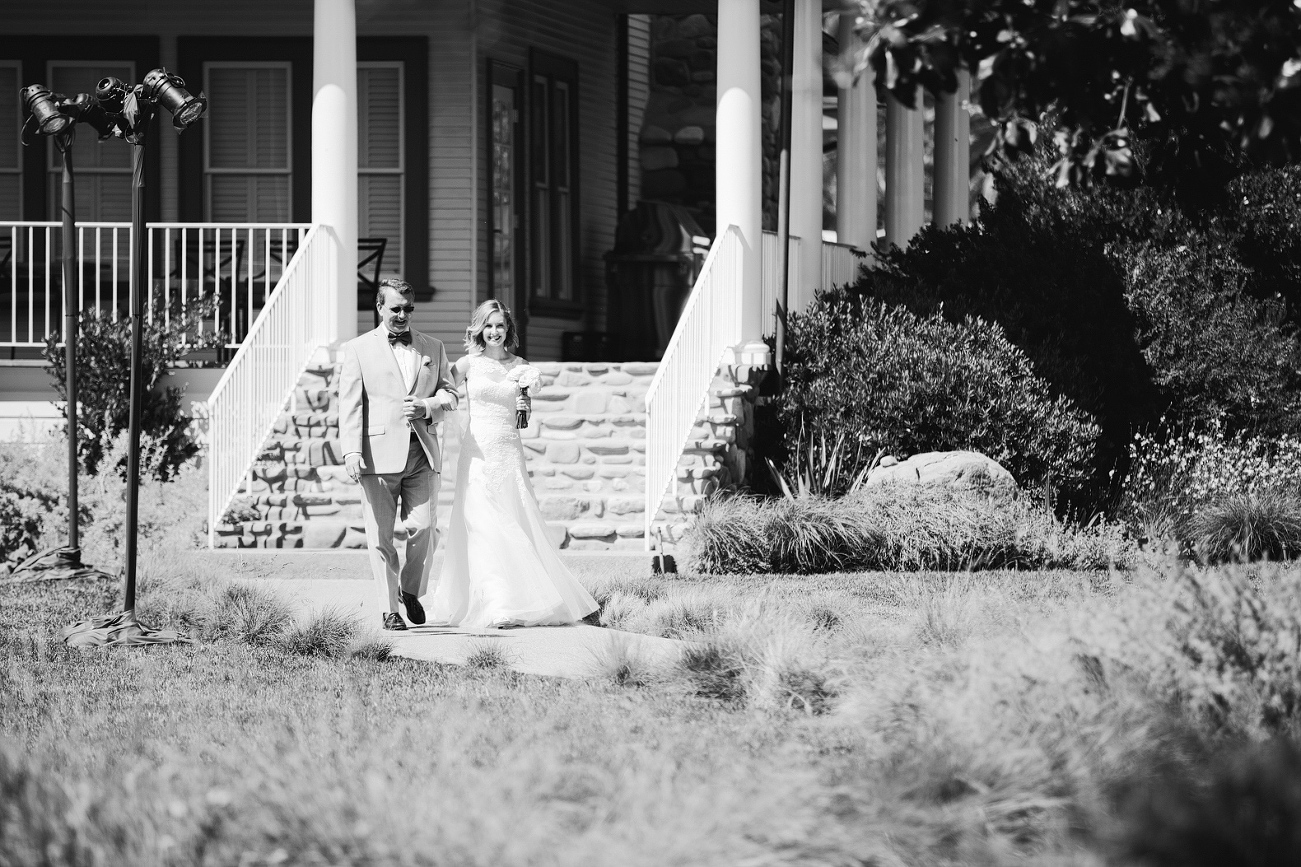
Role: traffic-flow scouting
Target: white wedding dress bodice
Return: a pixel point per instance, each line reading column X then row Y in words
column 499, row 569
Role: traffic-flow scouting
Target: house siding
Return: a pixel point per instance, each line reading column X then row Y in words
column 583, row 30
column 449, row 153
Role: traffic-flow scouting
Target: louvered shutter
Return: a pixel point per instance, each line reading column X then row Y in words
column 247, row 142
column 380, row 187
column 10, row 151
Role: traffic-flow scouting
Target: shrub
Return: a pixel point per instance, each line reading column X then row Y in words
column 910, row 383
column 1219, row 642
column 1174, row 474
column 1217, row 354
column 104, row 380
column 33, row 496
column 1128, row 303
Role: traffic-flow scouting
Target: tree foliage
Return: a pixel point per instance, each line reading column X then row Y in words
column 1213, row 83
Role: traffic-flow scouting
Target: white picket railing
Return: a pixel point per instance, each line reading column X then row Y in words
column 710, row 324
column 840, row 264
column 771, row 283
column 260, row 379
column 237, row 264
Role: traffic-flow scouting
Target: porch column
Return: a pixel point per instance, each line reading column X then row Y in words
column 806, row 151
column 334, row 148
column 953, row 155
column 856, row 150
column 904, row 144
column 739, row 150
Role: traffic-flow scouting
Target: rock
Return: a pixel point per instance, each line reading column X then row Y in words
column 659, row 157
column 961, row 470
column 689, row 135
column 671, row 72
column 591, row 530
column 563, row 453
column 655, row 135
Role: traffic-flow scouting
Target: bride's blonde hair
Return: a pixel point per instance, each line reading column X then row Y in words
column 474, row 341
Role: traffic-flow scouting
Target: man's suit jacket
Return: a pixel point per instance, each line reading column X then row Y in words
column 371, row 391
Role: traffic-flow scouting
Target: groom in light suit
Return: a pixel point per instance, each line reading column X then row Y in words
column 393, row 390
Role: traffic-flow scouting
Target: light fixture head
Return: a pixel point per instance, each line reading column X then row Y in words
column 169, row 91
column 44, row 116
column 110, row 92
column 85, row 108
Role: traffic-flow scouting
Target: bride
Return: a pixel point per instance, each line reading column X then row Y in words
column 499, row 569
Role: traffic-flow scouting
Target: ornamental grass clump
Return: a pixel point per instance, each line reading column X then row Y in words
column 1248, row 527
column 895, row 528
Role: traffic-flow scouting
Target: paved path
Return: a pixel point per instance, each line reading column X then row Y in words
column 313, row 581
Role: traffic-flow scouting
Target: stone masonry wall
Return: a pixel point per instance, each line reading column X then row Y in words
column 585, row 447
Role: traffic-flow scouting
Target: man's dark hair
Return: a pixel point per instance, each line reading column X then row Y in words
column 401, row 287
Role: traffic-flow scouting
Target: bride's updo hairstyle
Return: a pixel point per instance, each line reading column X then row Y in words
column 474, row 341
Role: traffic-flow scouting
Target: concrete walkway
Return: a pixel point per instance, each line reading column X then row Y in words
column 316, row 580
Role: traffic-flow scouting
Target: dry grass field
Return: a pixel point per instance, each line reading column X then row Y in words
column 848, row 719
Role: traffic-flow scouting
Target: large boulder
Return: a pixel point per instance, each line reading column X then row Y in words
column 962, row 470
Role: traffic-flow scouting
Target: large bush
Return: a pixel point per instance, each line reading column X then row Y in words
column 909, row 383
column 104, row 380
column 1132, row 304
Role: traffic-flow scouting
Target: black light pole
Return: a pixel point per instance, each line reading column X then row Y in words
column 134, row 109
column 784, row 183
column 55, row 116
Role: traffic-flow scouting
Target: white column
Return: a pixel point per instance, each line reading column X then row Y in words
column 904, row 178
column 855, row 150
column 806, row 151
column 334, row 147
column 739, row 149
column 953, row 154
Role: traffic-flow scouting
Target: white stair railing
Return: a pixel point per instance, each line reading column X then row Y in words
column 840, row 264
column 709, row 325
column 293, row 325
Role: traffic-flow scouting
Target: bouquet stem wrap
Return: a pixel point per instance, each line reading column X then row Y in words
column 525, row 377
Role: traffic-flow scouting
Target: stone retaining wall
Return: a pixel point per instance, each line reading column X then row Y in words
column 585, row 447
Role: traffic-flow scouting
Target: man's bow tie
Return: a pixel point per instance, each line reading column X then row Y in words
column 402, row 336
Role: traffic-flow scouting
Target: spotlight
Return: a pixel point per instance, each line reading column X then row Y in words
column 169, row 90
column 86, row 109
column 45, row 117
column 110, row 92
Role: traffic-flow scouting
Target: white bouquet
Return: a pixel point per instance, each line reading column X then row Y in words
column 526, row 378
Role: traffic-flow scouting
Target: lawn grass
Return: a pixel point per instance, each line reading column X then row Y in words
column 874, row 718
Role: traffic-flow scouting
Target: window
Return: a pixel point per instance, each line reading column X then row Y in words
column 247, row 142
column 380, row 169
column 553, row 175
column 103, row 172
column 11, row 162
column 503, row 132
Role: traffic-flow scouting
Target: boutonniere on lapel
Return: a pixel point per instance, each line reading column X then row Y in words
column 426, row 360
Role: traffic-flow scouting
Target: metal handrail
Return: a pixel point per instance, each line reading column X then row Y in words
column 710, row 324
column 261, row 378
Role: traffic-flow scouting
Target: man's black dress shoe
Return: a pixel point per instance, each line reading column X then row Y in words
column 415, row 611
column 393, row 621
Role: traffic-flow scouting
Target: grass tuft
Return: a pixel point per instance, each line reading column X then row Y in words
column 328, row 634
column 619, row 661
column 1245, row 528
column 487, row 656
column 374, row 649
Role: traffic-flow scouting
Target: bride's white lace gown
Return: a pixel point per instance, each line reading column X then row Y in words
column 499, row 569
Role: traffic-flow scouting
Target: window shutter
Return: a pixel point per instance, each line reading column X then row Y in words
column 247, row 143
column 380, row 186
column 10, row 159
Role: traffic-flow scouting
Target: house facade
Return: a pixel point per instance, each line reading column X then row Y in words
column 476, row 148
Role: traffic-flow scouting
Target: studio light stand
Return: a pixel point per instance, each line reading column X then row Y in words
column 127, row 113
column 55, row 116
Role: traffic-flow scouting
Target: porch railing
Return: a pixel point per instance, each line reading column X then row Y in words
column 237, row 264
column 260, row 379
column 840, row 265
column 710, row 323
